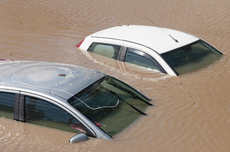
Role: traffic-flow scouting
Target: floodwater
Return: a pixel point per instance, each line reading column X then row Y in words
column 190, row 113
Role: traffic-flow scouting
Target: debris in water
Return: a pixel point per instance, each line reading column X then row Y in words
column 62, row 75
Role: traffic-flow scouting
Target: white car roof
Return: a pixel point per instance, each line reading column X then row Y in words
column 155, row 38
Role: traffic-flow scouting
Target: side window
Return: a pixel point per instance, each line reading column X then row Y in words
column 7, row 105
column 46, row 114
column 107, row 50
column 140, row 58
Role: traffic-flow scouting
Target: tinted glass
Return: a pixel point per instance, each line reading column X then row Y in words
column 191, row 57
column 140, row 58
column 46, row 114
column 107, row 50
column 7, row 104
column 104, row 104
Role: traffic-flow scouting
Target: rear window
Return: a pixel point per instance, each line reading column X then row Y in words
column 191, row 57
column 106, row 103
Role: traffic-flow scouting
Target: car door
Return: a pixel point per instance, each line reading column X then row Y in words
column 45, row 112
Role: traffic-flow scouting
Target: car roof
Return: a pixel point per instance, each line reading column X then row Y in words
column 156, row 38
column 58, row 79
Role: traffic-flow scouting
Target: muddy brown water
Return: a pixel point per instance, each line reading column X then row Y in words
column 190, row 113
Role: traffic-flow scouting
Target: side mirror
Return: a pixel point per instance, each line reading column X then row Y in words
column 78, row 138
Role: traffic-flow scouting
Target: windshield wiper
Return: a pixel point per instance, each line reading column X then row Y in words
column 124, row 100
column 130, row 92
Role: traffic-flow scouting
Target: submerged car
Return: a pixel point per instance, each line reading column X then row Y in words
column 166, row 50
column 68, row 97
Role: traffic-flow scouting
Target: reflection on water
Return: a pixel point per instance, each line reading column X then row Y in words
column 190, row 112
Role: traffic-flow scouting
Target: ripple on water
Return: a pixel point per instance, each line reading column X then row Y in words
column 190, row 112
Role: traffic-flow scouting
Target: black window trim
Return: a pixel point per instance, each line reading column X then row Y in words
column 19, row 112
column 122, row 53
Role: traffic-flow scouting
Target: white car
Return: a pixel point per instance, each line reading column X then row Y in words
column 166, row 50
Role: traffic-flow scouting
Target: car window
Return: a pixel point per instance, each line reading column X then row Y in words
column 46, row 114
column 107, row 50
column 7, row 104
column 191, row 57
column 140, row 58
column 107, row 104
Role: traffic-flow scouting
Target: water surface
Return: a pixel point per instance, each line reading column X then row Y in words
column 190, row 113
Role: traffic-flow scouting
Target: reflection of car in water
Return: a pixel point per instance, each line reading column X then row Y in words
column 165, row 50
column 69, row 98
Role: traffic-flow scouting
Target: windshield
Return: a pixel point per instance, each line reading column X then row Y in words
column 191, row 57
column 110, row 104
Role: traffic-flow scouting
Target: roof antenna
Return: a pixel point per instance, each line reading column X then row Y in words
column 163, row 30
